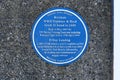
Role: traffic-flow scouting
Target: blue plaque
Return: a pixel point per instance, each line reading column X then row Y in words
column 60, row 36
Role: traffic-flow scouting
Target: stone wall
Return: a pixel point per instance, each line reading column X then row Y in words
column 18, row 60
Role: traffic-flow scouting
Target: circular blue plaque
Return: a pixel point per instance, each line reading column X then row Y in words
column 59, row 36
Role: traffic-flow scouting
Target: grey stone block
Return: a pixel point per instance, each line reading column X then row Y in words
column 18, row 60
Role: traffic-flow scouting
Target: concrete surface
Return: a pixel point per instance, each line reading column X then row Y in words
column 18, row 60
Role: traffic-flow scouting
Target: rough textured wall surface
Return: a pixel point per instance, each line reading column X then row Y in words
column 18, row 60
